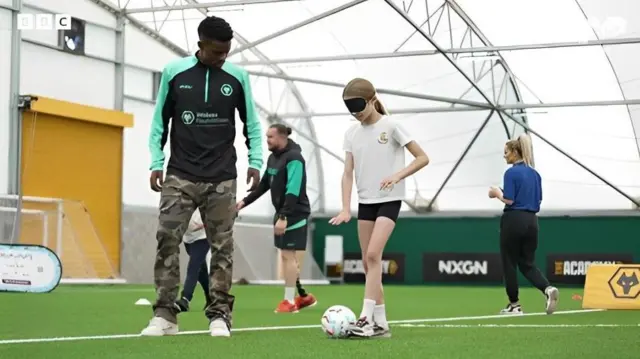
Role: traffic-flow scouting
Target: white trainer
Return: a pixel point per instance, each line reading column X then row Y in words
column 159, row 327
column 219, row 328
column 552, row 295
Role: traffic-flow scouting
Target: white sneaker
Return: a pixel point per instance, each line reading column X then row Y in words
column 159, row 327
column 361, row 328
column 553, row 296
column 512, row 310
column 381, row 330
column 219, row 328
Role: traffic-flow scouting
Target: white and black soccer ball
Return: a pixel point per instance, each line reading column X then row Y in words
column 336, row 320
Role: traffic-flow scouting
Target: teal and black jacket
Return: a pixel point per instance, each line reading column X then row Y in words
column 200, row 104
column 286, row 178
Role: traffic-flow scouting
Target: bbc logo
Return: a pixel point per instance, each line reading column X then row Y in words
column 44, row 22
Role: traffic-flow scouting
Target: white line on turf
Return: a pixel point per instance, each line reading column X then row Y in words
column 463, row 326
column 255, row 329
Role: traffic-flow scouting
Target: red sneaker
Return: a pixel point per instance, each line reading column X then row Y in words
column 308, row 301
column 286, row 307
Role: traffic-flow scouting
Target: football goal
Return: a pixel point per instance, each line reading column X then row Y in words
column 65, row 227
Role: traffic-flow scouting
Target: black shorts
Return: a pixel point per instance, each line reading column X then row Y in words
column 371, row 211
column 293, row 240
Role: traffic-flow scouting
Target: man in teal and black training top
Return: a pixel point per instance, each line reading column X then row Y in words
column 196, row 104
column 286, row 178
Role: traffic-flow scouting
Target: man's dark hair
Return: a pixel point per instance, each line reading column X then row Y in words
column 215, row 28
column 282, row 129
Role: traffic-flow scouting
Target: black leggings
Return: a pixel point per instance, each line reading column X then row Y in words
column 518, row 244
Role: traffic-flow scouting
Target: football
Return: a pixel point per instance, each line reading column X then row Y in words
column 336, row 320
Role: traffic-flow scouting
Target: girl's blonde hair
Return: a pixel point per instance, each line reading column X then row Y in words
column 360, row 87
column 523, row 148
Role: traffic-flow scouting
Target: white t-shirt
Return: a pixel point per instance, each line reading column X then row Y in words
column 378, row 152
column 193, row 233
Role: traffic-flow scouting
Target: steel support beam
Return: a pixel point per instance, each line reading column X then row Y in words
column 524, row 106
column 297, row 26
column 434, row 44
column 459, row 161
column 466, row 50
column 204, row 5
column 275, row 118
column 379, row 90
column 334, row 58
column 7, row 7
column 529, row 130
column 485, row 40
column 313, row 139
column 242, row 41
column 303, row 106
column 615, row 73
column 142, row 27
column 119, row 99
column 15, row 121
column 119, row 64
column 271, row 117
column 400, row 111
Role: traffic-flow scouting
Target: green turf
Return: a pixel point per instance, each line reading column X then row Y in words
column 97, row 310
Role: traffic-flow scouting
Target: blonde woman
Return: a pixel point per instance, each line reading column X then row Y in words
column 521, row 196
column 375, row 152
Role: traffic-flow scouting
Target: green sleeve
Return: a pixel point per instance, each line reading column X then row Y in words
column 253, row 130
column 295, row 171
column 164, row 111
column 159, row 124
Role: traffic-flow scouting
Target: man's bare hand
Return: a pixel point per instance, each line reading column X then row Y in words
column 253, row 176
column 156, row 180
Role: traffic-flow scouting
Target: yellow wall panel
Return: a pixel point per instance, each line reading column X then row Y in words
column 80, row 161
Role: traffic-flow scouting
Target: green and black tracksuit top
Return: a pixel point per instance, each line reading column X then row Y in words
column 286, row 178
column 199, row 102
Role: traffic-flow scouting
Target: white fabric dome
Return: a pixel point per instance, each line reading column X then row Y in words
column 566, row 68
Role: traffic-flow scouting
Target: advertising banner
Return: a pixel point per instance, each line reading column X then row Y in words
column 571, row 268
column 28, row 268
column 462, row 267
column 393, row 268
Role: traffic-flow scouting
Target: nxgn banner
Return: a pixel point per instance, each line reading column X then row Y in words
column 393, row 267
column 571, row 268
column 462, row 267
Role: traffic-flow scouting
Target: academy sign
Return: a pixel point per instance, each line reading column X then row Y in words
column 462, row 267
column 392, row 268
column 572, row 268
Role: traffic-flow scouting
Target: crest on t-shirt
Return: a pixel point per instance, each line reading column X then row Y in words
column 383, row 138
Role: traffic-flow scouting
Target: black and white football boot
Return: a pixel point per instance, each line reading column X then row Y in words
column 512, row 309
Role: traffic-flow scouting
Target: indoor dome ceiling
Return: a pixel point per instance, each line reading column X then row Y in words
column 463, row 75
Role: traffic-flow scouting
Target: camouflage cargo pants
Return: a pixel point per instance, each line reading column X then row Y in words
column 179, row 199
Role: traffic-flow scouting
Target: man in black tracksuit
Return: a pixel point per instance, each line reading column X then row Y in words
column 286, row 177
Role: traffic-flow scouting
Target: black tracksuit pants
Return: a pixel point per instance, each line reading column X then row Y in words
column 518, row 244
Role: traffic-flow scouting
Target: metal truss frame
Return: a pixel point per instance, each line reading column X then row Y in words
column 514, row 112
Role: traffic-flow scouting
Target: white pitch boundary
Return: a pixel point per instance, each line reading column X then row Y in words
column 256, row 329
column 466, row 326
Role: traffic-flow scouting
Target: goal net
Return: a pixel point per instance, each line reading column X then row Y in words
column 257, row 261
column 66, row 228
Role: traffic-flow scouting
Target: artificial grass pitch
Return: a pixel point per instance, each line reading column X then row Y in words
column 430, row 322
